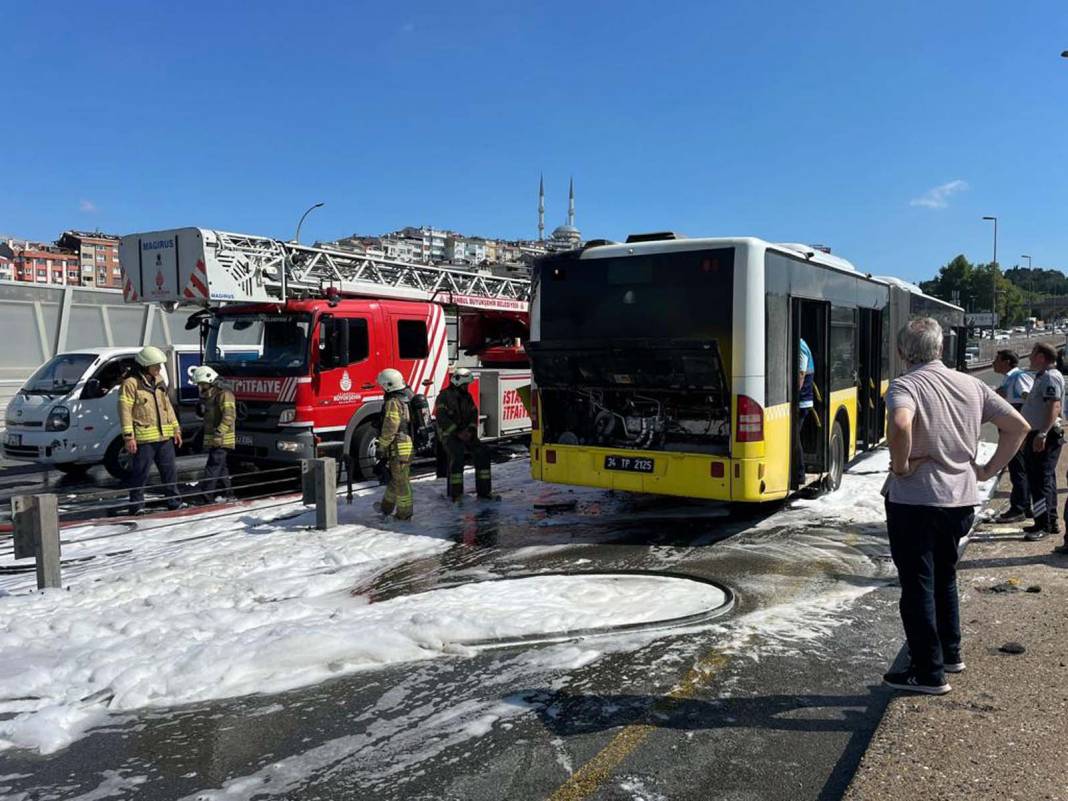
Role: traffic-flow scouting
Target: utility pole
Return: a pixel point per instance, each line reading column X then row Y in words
column 994, row 280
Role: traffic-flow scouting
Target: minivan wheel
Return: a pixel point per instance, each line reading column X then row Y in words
column 117, row 461
column 70, row 469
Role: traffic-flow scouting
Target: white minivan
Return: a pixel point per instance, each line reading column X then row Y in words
column 66, row 415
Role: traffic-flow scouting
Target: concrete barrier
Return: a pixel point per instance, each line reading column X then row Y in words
column 38, row 321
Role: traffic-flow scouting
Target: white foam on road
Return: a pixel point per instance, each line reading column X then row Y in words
column 260, row 602
column 859, row 500
column 226, row 607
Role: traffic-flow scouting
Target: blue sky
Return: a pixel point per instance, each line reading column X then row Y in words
column 832, row 122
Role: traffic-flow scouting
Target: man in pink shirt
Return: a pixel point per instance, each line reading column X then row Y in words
column 935, row 416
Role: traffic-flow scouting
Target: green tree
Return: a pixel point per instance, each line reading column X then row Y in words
column 969, row 285
column 1039, row 281
column 1010, row 300
column 955, row 283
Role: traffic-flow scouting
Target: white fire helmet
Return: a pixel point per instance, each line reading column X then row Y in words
column 149, row 356
column 203, row 375
column 461, row 377
column 391, row 380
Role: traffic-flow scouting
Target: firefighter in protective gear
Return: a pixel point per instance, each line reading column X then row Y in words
column 457, row 420
column 394, row 445
column 150, row 429
column 220, row 417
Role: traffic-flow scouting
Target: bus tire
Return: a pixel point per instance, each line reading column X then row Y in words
column 364, row 451
column 117, row 461
column 836, row 454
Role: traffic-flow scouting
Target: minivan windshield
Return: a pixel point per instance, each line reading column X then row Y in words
column 59, row 374
column 253, row 344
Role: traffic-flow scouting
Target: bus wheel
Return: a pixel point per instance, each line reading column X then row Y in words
column 363, row 450
column 836, row 457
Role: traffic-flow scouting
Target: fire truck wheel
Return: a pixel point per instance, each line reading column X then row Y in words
column 362, row 448
column 117, row 461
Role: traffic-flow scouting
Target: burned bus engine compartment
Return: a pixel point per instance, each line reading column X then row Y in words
column 635, row 420
column 637, row 394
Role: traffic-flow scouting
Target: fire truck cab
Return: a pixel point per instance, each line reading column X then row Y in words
column 303, row 367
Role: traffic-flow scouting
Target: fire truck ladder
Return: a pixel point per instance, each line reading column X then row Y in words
column 287, row 270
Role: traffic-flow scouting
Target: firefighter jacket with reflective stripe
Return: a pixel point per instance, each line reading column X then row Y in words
column 145, row 411
column 220, row 416
column 455, row 411
column 394, row 437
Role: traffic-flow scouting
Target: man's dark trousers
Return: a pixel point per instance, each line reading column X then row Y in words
column 799, row 452
column 457, row 450
column 216, row 474
column 923, row 543
column 1042, row 478
column 1020, row 499
column 162, row 455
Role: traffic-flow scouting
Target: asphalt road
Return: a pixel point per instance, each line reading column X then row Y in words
column 775, row 701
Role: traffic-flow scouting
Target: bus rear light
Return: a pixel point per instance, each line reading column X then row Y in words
column 550, row 457
column 718, row 470
column 535, row 401
column 750, row 420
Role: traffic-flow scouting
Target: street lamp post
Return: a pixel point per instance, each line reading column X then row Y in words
column 296, row 241
column 305, row 214
column 1030, row 276
column 993, row 280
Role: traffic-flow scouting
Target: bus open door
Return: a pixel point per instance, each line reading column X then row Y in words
column 810, row 322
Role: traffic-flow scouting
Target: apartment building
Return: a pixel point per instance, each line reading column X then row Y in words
column 98, row 257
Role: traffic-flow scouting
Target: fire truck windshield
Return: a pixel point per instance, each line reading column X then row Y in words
column 258, row 344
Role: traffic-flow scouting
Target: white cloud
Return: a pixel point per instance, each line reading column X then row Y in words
column 938, row 197
column 87, row 206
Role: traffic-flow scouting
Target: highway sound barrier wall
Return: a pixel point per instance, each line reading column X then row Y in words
column 37, row 321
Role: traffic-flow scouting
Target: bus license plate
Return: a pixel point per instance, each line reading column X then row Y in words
column 629, row 464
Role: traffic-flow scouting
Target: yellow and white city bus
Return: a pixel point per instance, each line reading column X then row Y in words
column 671, row 365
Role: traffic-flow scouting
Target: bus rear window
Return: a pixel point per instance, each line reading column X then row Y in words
column 678, row 295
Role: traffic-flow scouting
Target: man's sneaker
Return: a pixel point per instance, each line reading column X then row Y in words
column 954, row 665
column 1011, row 516
column 909, row 681
column 1035, row 533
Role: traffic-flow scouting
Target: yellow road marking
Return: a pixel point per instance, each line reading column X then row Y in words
column 586, row 780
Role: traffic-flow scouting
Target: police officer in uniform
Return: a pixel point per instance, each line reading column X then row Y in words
column 220, row 437
column 1042, row 448
column 1015, row 388
column 394, row 444
column 457, row 420
column 150, row 428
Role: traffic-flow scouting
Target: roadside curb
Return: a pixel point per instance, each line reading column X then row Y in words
column 1000, row 733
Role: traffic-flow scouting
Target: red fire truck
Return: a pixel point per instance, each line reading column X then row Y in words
column 301, row 333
